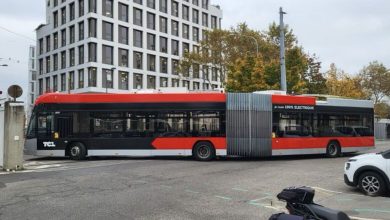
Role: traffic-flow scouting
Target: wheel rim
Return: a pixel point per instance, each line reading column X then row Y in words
column 332, row 149
column 370, row 184
column 75, row 151
column 204, row 151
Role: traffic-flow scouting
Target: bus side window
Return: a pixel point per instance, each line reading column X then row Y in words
column 45, row 125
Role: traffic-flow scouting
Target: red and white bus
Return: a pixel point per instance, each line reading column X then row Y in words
column 203, row 125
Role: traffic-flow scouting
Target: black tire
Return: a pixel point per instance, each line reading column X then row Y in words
column 333, row 149
column 204, row 151
column 372, row 184
column 77, row 151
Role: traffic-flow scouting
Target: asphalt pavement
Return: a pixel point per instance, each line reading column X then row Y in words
column 177, row 188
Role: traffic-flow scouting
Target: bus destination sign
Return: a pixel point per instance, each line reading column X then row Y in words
column 294, row 107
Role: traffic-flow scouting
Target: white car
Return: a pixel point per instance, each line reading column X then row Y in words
column 369, row 172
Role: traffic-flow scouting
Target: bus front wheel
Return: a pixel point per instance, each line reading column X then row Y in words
column 333, row 149
column 77, row 151
column 204, row 151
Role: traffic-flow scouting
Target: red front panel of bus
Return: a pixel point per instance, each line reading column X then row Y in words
column 186, row 143
column 321, row 142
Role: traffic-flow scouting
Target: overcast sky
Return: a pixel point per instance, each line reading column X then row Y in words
column 350, row 33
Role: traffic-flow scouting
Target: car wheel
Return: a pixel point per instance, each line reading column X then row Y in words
column 77, row 151
column 204, row 151
column 333, row 149
column 372, row 184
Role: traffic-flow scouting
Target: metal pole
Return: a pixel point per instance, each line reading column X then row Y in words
column 282, row 53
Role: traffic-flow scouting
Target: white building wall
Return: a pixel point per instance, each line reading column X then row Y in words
column 32, row 83
column 49, row 30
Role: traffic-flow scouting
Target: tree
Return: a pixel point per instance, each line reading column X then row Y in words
column 382, row 110
column 375, row 80
column 230, row 50
column 342, row 84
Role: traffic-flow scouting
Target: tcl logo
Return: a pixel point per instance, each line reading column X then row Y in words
column 49, row 144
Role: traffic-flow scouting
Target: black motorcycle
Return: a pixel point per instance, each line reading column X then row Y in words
column 301, row 206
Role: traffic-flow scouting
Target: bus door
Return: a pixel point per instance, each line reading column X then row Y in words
column 64, row 126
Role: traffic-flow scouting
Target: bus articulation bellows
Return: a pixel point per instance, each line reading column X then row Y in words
column 203, row 125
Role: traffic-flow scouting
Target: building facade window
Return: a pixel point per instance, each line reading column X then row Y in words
column 163, row 44
column 175, row 9
column 205, row 19
column 63, row 38
column 163, row 6
column 47, row 82
column 137, row 81
column 81, row 8
column 151, row 21
column 175, row 66
column 151, row 62
column 195, row 16
column 123, row 35
column 92, row 77
column 92, row 22
column 72, row 57
column 81, row 79
column 186, row 31
column 175, row 28
column 72, row 11
column 55, row 83
column 151, row 4
column 123, row 12
column 108, row 78
column 92, row 52
column 163, row 82
column 108, row 31
column 55, row 19
column 186, row 13
column 151, row 82
column 92, row 6
column 137, row 60
column 71, row 80
column 151, row 40
column 123, row 80
column 63, row 59
column 195, row 34
column 63, row 82
column 63, row 15
column 55, row 62
column 107, row 8
column 81, row 30
column 48, row 43
column 163, row 65
column 175, row 47
column 72, row 34
column 137, row 16
column 163, row 24
column 55, row 40
column 123, row 56
column 108, row 53
column 137, row 38
column 48, row 64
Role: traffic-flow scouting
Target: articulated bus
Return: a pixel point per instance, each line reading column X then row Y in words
column 202, row 125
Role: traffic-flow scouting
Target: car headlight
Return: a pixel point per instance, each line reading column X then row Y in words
column 352, row 160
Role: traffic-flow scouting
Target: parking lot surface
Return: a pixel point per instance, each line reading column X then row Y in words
column 177, row 188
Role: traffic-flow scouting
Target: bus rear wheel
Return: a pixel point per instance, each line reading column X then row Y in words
column 77, row 151
column 204, row 151
column 333, row 149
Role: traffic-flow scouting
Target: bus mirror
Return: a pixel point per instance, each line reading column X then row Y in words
column 56, row 135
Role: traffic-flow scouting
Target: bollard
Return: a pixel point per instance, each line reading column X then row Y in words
column 14, row 117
